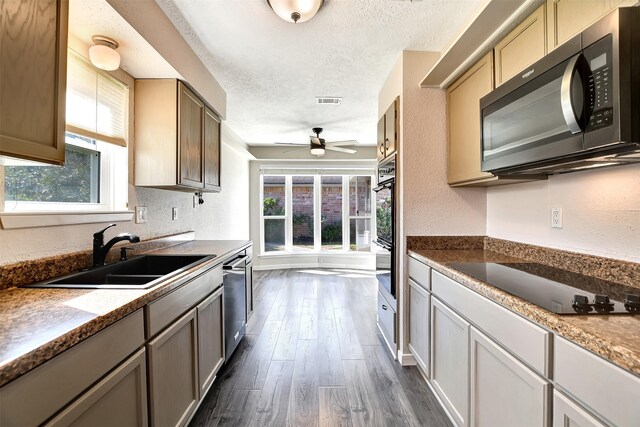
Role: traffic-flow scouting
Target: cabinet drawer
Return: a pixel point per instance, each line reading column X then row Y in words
column 168, row 308
column 567, row 413
column 609, row 391
column 524, row 339
column 420, row 273
column 58, row 381
column 387, row 320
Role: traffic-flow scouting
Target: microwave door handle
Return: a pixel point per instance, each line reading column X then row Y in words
column 565, row 96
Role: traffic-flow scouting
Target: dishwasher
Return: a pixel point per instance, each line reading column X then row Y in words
column 235, row 301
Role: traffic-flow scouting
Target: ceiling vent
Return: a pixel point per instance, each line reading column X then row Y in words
column 328, row 100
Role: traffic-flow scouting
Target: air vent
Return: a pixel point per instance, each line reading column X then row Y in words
column 328, row 100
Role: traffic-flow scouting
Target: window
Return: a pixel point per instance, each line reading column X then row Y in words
column 94, row 176
column 316, row 212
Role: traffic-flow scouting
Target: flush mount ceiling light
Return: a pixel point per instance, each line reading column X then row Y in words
column 296, row 10
column 103, row 53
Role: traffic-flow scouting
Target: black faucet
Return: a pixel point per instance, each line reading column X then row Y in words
column 100, row 249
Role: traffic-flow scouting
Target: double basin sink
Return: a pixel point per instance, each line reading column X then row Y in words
column 142, row 272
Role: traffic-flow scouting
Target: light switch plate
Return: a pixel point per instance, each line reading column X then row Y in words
column 141, row 214
column 174, row 213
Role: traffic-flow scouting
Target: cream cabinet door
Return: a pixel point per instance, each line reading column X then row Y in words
column 380, row 151
column 210, row 339
column 391, row 128
column 567, row 413
column 173, row 373
column 504, row 392
column 419, row 319
column 33, row 76
column 463, row 111
column 566, row 18
column 450, row 360
column 120, row 399
column 526, row 44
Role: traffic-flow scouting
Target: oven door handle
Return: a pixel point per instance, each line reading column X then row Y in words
column 383, row 245
column 383, row 186
column 566, row 98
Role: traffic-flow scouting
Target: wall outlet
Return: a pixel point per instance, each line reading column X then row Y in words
column 141, row 214
column 556, row 217
column 174, row 213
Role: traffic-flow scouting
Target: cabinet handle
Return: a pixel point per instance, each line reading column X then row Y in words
column 386, row 143
column 382, row 146
column 384, row 307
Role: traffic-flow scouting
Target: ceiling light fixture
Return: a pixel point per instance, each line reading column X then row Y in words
column 317, row 151
column 103, row 53
column 296, row 10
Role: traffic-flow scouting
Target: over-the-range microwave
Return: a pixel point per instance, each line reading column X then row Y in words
column 576, row 108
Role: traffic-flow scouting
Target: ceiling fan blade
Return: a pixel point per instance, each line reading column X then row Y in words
column 297, row 149
column 316, row 141
column 340, row 149
column 339, row 143
column 290, row 143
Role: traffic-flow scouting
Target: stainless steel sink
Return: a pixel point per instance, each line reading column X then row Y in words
column 142, row 272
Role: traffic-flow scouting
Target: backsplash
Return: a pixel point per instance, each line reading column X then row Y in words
column 24, row 272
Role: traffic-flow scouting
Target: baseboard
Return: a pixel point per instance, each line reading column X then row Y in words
column 406, row 359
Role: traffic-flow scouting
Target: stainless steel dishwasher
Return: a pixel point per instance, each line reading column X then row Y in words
column 235, row 301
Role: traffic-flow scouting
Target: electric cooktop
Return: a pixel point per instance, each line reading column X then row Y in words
column 554, row 289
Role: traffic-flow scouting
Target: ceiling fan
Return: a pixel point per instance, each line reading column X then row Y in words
column 317, row 145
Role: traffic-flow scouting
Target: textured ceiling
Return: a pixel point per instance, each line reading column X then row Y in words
column 272, row 70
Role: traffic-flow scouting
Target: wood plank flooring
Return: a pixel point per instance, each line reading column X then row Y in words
column 313, row 356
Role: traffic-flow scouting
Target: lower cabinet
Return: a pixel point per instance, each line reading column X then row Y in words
column 450, row 360
column 173, row 373
column 419, row 319
column 210, row 339
column 567, row 413
column 504, row 392
column 120, row 399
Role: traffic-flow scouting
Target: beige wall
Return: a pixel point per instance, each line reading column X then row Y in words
column 601, row 212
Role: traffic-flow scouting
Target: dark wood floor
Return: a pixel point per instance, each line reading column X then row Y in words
column 313, row 356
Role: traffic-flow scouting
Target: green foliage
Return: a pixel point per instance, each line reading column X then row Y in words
column 272, row 207
column 71, row 183
column 332, row 233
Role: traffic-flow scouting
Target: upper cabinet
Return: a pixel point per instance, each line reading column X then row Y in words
column 522, row 47
column 177, row 138
column 388, row 131
column 463, row 105
column 33, row 72
column 566, row 18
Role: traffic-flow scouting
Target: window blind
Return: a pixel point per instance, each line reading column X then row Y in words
column 97, row 104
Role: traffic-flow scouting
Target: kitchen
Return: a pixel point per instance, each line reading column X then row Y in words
column 429, row 107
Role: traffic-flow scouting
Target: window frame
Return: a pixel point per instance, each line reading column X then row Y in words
column 317, row 217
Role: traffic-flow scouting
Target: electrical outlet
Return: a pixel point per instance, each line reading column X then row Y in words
column 556, row 217
column 141, row 214
column 174, row 213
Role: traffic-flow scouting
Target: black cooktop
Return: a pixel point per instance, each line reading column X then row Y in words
column 557, row 290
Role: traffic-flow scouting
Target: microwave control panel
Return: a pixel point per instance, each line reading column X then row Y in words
column 600, row 83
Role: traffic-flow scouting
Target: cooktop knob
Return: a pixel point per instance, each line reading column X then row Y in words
column 602, row 304
column 632, row 303
column 581, row 304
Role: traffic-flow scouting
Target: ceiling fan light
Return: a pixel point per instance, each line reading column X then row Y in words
column 317, row 151
column 296, row 11
column 103, row 53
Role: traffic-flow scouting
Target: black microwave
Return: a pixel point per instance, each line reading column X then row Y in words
column 576, row 108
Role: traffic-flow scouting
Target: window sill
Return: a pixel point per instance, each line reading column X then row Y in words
column 12, row 220
column 284, row 254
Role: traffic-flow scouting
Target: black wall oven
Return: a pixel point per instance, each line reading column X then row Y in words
column 576, row 107
column 385, row 226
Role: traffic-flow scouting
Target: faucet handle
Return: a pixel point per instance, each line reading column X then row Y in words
column 100, row 234
column 123, row 253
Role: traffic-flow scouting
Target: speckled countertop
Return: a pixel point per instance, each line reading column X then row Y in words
column 38, row 324
column 615, row 337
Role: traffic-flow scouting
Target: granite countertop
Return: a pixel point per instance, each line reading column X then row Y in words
column 613, row 337
column 38, row 324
